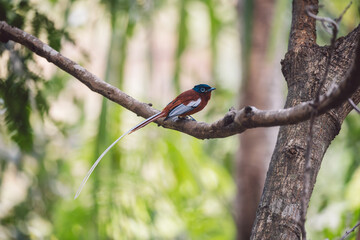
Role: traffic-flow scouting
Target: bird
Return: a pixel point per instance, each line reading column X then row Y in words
column 183, row 106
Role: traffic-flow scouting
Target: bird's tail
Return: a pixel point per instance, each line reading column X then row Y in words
column 147, row 121
column 137, row 127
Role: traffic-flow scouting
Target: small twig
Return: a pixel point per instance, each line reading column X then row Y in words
column 343, row 13
column 347, row 233
column 354, row 105
column 335, row 30
column 324, row 20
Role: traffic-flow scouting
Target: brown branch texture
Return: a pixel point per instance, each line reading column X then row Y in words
column 233, row 122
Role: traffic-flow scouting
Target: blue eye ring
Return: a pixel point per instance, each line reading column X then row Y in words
column 202, row 89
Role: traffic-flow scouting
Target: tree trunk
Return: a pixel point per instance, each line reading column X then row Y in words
column 256, row 145
column 279, row 213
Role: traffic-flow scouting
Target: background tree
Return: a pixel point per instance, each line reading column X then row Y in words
column 262, row 87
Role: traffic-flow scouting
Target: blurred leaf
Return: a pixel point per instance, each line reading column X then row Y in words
column 17, row 114
column 41, row 103
column 353, row 143
column 182, row 40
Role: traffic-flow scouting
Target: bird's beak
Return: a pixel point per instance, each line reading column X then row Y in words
column 211, row 89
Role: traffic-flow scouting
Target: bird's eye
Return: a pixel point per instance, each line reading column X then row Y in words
column 202, row 89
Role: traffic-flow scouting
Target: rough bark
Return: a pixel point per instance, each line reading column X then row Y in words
column 303, row 27
column 256, row 145
column 278, row 215
column 234, row 122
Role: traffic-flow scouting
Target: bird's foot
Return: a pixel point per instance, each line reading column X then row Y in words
column 191, row 118
column 179, row 118
column 187, row 118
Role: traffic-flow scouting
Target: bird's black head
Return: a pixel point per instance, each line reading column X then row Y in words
column 203, row 88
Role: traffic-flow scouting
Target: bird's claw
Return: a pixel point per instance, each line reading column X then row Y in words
column 188, row 118
column 179, row 118
column 191, row 118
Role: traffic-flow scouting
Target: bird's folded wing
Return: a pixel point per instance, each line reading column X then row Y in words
column 184, row 108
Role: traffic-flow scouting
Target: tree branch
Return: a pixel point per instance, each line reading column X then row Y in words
column 353, row 105
column 347, row 233
column 234, row 122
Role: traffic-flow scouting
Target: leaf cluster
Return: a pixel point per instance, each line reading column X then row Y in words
column 21, row 90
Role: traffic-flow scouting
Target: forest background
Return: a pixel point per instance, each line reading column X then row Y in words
column 157, row 183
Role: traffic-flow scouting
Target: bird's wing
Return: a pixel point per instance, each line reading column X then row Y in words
column 184, row 108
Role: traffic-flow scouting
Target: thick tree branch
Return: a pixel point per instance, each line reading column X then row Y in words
column 233, row 122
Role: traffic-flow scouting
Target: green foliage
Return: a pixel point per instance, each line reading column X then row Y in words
column 17, row 110
column 181, row 41
column 337, row 208
column 156, row 184
column 25, row 102
column 333, row 9
column 353, row 143
column 22, row 90
column 175, row 190
column 10, row 14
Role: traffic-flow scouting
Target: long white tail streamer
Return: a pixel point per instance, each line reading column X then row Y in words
column 96, row 163
column 103, row 154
